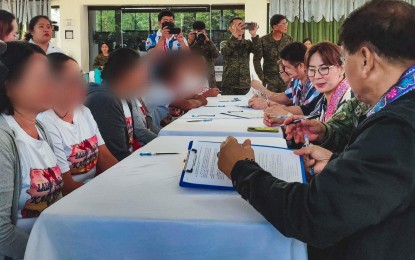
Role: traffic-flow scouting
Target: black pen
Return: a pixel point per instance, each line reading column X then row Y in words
column 301, row 119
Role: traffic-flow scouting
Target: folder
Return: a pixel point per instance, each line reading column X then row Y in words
column 201, row 170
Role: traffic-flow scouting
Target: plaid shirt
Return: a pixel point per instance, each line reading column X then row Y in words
column 300, row 95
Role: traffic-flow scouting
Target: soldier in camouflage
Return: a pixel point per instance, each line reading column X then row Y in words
column 271, row 45
column 236, row 52
column 200, row 43
column 335, row 133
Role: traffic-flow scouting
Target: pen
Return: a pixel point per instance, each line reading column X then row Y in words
column 153, row 154
column 307, row 144
column 235, row 111
column 216, row 106
column 201, row 120
column 203, row 115
column 226, row 114
column 244, row 106
column 278, row 117
column 301, row 119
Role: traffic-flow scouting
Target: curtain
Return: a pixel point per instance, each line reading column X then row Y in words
column 316, row 10
column 317, row 31
column 24, row 10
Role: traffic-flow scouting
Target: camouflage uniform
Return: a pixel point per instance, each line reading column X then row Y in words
column 270, row 52
column 100, row 60
column 210, row 52
column 342, row 124
column 236, row 72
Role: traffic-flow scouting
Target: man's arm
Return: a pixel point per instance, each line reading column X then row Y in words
column 359, row 189
column 258, row 54
column 341, row 125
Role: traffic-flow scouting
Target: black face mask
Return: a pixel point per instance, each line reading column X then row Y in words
column 168, row 24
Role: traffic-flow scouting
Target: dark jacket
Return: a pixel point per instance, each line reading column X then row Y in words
column 362, row 206
column 109, row 115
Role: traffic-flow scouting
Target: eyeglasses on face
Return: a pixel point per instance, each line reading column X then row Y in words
column 283, row 24
column 323, row 71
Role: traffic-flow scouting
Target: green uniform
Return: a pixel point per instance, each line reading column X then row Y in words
column 210, row 52
column 270, row 52
column 236, row 73
column 100, row 60
column 342, row 124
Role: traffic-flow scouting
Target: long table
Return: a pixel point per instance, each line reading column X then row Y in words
column 136, row 210
column 220, row 124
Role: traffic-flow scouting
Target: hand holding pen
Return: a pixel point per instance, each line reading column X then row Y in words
column 314, row 128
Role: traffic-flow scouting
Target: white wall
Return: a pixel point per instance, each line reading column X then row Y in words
column 74, row 16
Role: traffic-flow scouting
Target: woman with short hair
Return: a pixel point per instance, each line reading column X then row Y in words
column 9, row 30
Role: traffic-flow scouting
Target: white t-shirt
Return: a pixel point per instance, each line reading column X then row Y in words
column 51, row 48
column 41, row 176
column 129, row 122
column 76, row 145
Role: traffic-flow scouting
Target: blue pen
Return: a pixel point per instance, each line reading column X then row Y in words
column 216, row 106
column 154, row 154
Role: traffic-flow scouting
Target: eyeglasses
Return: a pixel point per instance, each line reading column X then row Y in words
column 17, row 36
column 323, row 71
column 282, row 24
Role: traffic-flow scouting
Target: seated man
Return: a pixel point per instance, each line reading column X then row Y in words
column 361, row 203
column 163, row 40
column 300, row 91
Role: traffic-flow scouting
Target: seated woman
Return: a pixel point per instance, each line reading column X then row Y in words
column 102, row 58
column 176, row 81
column 9, row 31
column 300, row 90
column 361, row 203
column 111, row 103
column 326, row 72
column 40, row 33
column 30, row 178
column 77, row 142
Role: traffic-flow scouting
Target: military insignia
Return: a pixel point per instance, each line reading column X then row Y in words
column 339, row 116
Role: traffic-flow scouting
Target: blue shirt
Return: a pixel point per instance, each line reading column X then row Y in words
column 300, row 95
column 171, row 44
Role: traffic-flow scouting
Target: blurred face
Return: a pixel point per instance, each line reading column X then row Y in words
column 239, row 26
column 308, row 44
column 34, row 90
column 71, row 86
column 42, row 32
column 132, row 82
column 169, row 19
column 296, row 71
column 325, row 77
column 104, row 48
column 14, row 34
column 282, row 26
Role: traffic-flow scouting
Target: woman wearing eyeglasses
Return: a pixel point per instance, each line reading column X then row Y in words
column 326, row 73
column 8, row 27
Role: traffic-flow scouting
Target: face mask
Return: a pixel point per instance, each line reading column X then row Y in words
column 159, row 95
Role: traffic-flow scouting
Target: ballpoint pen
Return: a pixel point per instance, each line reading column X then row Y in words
column 154, row 154
column 307, row 144
column 301, row 119
column 199, row 120
column 216, row 106
column 278, row 117
column 226, row 114
column 240, row 111
column 203, row 115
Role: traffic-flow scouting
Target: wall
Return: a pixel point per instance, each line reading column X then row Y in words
column 74, row 16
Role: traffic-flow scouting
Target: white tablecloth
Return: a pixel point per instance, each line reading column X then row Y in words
column 136, row 210
column 221, row 125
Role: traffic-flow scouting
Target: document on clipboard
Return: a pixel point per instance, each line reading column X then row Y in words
column 201, row 167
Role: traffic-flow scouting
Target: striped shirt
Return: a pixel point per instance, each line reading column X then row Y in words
column 300, row 95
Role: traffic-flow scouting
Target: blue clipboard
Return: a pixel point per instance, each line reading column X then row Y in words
column 214, row 187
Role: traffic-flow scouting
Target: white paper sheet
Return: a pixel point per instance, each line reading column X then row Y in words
column 203, row 164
